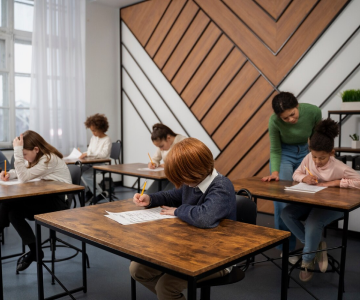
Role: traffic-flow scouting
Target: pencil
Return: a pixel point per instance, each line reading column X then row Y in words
column 5, row 167
column 150, row 159
column 142, row 192
column 310, row 172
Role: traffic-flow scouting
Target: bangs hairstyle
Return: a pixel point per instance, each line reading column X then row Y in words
column 324, row 134
column 160, row 132
column 283, row 101
column 188, row 162
column 99, row 121
column 32, row 140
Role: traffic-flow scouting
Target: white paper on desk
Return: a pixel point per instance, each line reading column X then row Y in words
column 138, row 216
column 74, row 154
column 16, row 181
column 153, row 170
column 303, row 187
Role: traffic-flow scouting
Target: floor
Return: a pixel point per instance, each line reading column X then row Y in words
column 108, row 276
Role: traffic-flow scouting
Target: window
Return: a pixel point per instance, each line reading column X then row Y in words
column 16, row 25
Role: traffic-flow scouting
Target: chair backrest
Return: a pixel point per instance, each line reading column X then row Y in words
column 2, row 164
column 246, row 209
column 75, row 172
column 12, row 163
column 116, row 151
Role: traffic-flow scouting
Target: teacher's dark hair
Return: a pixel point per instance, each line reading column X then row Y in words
column 283, row 101
column 324, row 134
column 160, row 132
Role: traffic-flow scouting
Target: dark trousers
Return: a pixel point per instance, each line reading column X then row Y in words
column 17, row 211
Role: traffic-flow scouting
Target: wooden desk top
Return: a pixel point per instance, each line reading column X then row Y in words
column 169, row 243
column 132, row 169
column 87, row 160
column 340, row 198
column 36, row 188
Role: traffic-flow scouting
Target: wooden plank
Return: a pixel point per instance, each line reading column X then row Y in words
column 253, row 161
column 143, row 18
column 256, row 127
column 218, row 83
column 212, row 62
column 175, row 34
column 197, row 55
column 242, row 112
column 228, row 99
column 190, row 38
column 273, row 7
column 164, row 26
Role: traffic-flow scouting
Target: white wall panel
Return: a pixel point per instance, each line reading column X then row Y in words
column 173, row 100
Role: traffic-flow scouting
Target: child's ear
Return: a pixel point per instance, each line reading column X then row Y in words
column 332, row 153
column 36, row 149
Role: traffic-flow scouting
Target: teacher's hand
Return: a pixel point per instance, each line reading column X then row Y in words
column 273, row 176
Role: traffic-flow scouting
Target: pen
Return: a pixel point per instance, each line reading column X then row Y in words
column 150, row 159
column 310, row 173
column 142, row 192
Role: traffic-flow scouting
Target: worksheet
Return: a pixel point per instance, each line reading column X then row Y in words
column 153, row 170
column 306, row 188
column 16, row 181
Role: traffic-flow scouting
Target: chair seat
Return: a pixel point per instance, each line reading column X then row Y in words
column 234, row 276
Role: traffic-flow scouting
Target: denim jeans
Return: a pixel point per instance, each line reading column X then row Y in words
column 315, row 221
column 291, row 158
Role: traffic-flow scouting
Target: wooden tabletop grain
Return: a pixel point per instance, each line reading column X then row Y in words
column 87, row 160
column 132, row 169
column 170, row 243
column 36, row 188
column 339, row 198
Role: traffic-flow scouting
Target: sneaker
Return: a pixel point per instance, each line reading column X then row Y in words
column 293, row 259
column 321, row 257
column 306, row 274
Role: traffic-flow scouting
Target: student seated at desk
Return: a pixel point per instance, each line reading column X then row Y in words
column 164, row 139
column 34, row 158
column 327, row 171
column 202, row 198
column 99, row 147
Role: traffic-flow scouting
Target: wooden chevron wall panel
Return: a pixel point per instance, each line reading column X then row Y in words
column 226, row 59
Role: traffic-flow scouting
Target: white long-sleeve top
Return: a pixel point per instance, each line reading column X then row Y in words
column 55, row 169
column 99, row 147
column 333, row 170
column 161, row 154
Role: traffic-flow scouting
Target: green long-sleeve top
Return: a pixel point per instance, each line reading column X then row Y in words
column 292, row 134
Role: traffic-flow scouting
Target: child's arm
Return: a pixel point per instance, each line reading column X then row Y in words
column 302, row 175
column 351, row 179
column 157, row 157
column 172, row 198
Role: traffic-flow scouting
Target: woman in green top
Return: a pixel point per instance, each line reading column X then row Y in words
column 290, row 127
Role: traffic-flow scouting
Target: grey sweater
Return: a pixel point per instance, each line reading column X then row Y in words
column 203, row 210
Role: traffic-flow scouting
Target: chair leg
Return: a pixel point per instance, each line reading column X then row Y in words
column 205, row 293
column 53, row 249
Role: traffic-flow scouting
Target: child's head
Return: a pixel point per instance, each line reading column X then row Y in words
column 189, row 162
column 98, row 124
column 161, row 136
column 285, row 106
column 35, row 147
column 322, row 141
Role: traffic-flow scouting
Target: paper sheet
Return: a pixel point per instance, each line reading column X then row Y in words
column 16, row 181
column 153, row 170
column 74, row 154
column 306, row 188
column 138, row 216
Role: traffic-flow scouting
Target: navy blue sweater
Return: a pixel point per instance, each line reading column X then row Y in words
column 198, row 209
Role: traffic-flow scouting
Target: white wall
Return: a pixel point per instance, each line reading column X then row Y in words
column 102, row 65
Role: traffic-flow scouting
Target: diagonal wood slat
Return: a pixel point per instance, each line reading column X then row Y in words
column 273, row 7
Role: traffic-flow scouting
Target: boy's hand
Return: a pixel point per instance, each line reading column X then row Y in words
column 310, row 179
column 166, row 210
column 18, row 141
column 143, row 200
column 4, row 177
column 151, row 165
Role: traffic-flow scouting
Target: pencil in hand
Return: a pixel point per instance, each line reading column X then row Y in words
column 310, row 173
column 150, row 159
column 142, row 192
column 5, row 167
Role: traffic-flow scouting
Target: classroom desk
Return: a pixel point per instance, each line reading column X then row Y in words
column 87, row 160
column 338, row 199
column 181, row 250
column 131, row 170
column 37, row 188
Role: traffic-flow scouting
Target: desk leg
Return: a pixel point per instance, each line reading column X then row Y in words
column 138, row 182
column 284, row 270
column 39, row 262
column 110, row 193
column 83, row 248
column 133, row 289
column 343, row 255
column 94, row 181
column 1, row 281
column 191, row 289
column 82, row 198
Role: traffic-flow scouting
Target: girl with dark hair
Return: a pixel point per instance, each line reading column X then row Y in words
column 164, row 139
column 326, row 171
column 34, row 158
column 203, row 198
column 290, row 127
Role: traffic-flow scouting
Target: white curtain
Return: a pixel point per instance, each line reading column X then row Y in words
column 57, row 106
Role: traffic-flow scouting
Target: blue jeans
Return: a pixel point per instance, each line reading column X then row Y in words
column 291, row 158
column 315, row 221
